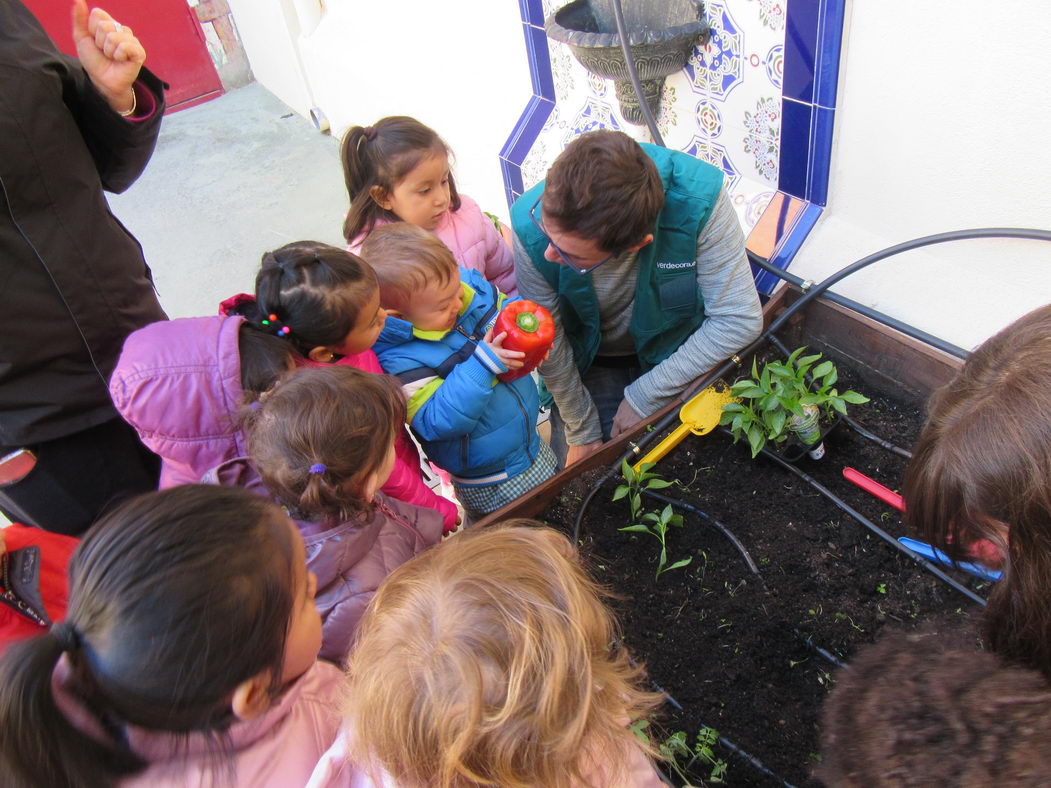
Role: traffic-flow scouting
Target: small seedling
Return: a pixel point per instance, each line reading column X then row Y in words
column 681, row 757
column 881, row 588
column 654, row 523
column 845, row 617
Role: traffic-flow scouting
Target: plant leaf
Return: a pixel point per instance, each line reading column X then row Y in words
column 777, row 422
column 756, row 440
column 658, row 484
column 620, row 492
column 831, row 377
column 751, row 393
column 637, row 527
column 854, row 398
column 627, row 472
column 839, row 405
column 679, row 564
column 822, row 369
column 811, row 399
column 795, row 354
column 733, row 407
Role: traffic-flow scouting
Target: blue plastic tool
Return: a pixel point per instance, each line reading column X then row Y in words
column 936, row 555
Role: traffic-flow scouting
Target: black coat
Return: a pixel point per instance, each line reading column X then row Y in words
column 73, row 281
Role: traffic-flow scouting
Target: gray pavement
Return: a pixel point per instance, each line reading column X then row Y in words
column 230, row 179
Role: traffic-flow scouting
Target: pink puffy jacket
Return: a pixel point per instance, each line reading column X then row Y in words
column 275, row 750
column 178, row 383
column 474, row 242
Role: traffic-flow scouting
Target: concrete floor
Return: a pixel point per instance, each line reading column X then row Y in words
column 231, row 179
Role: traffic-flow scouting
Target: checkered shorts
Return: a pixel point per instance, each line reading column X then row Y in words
column 483, row 500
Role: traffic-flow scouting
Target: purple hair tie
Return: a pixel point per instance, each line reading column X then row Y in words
column 318, row 467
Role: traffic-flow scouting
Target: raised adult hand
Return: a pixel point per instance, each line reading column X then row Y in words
column 110, row 54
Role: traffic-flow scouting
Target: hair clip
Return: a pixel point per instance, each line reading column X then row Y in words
column 284, row 331
column 268, row 319
column 318, row 467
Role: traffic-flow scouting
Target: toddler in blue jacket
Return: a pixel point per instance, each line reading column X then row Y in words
column 438, row 342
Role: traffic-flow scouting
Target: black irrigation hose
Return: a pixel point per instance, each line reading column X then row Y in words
column 861, row 309
column 633, row 74
column 722, row 528
column 871, row 436
column 729, row 744
column 886, row 537
column 809, row 642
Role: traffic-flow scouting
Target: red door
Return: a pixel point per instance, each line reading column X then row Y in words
column 168, row 29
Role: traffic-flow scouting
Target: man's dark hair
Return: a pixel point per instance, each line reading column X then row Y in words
column 605, row 188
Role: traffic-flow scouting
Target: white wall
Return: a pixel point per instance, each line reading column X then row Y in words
column 944, row 123
column 458, row 67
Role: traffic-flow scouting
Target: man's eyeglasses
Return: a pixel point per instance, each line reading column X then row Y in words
column 565, row 257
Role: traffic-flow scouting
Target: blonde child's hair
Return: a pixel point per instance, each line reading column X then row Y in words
column 407, row 259
column 490, row 660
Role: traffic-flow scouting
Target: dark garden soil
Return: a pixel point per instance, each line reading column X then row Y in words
column 730, row 651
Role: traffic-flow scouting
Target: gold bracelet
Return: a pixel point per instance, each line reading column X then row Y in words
column 134, row 104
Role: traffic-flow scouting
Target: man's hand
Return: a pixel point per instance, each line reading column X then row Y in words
column 625, row 419
column 576, row 453
column 512, row 359
column 110, row 54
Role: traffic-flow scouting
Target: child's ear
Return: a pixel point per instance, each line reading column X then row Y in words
column 380, row 197
column 371, row 487
column 252, row 697
column 395, row 313
column 321, row 355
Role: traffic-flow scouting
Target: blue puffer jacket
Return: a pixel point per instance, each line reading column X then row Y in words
column 478, row 429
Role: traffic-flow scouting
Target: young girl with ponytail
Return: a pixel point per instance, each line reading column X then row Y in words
column 398, row 170
column 188, row 656
column 325, row 303
column 323, row 443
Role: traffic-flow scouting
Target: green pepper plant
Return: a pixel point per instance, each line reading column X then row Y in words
column 654, row 523
column 781, row 396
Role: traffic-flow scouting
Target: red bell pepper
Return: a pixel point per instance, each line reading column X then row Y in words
column 530, row 329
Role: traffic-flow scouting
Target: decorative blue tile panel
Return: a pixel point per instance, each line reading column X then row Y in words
column 801, row 47
column 795, row 147
column 532, row 12
column 820, row 154
column 757, row 101
column 830, row 44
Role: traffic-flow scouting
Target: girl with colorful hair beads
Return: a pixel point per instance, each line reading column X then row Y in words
column 188, row 656
column 488, row 661
column 398, row 170
column 323, row 443
column 325, row 303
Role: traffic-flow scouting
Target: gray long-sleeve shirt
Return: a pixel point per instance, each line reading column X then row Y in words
column 733, row 318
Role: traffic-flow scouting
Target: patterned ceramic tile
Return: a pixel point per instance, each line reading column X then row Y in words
column 725, row 106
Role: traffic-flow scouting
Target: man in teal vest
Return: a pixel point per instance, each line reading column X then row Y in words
column 638, row 254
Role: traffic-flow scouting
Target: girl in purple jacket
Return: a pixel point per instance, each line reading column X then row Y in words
column 398, row 170
column 188, row 656
column 323, row 443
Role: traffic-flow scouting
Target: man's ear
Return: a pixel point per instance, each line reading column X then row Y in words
column 252, row 697
column 380, row 197
column 321, row 355
column 646, row 239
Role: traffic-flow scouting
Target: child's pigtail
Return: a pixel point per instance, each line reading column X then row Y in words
column 359, row 175
column 38, row 745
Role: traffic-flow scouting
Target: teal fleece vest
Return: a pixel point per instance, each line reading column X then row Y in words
column 668, row 305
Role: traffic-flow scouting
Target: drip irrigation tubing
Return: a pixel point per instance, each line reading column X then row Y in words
column 811, row 292
column 861, row 309
column 864, row 433
column 722, row 528
column 886, row 537
column 825, row 653
column 752, row 760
